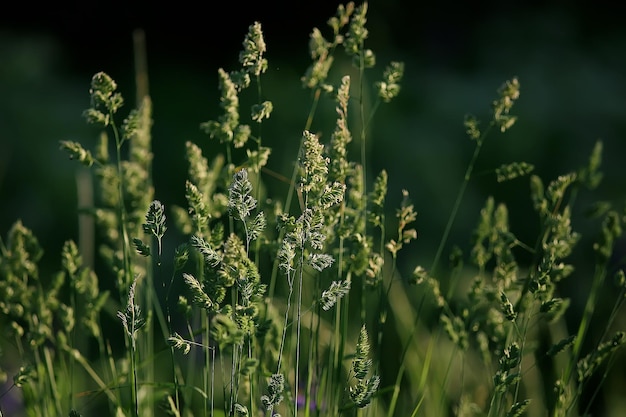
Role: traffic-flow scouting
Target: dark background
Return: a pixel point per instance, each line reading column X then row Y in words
column 570, row 60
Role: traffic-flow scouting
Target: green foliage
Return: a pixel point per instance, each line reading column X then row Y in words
column 365, row 387
column 275, row 298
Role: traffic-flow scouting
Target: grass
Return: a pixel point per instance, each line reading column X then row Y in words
column 297, row 304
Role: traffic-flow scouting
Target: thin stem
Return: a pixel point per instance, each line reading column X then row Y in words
column 133, row 362
column 598, row 280
column 396, row 389
column 208, row 363
column 229, row 163
column 298, row 331
column 128, row 275
column 292, row 189
column 151, row 300
column 459, row 198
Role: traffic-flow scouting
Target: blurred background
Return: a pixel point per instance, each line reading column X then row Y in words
column 570, row 61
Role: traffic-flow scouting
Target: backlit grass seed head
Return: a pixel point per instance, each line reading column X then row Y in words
column 70, row 258
column 357, row 33
column 286, row 255
column 509, row 360
column 369, row 59
column 275, row 388
column 251, row 58
column 25, row 375
column 262, row 111
column 313, row 226
column 225, row 330
column 318, row 45
column 240, row 79
column 198, row 166
column 518, row 409
column 508, row 94
column 471, row 124
column 377, row 200
column 321, row 49
column 240, row 202
column 342, row 17
column 340, row 168
column 141, row 248
column 563, row 394
column 102, row 87
column 510, row 171
column 561, row 345
column 320, row 261
column 317, row 73
column 184, row 307
column 67, row 318
column 313, row 163
column 389, row 87
column 211, row 256
column 373, row 271
column 336, row 291
column 331, row 195
column 557, row 188
column 611, row 230
column 360, row 251
column 241, row 410
column 198, row 211
column 235, row 259
column 227, row 128
column 198, row 296
column 588, row 365
column 241, row 135
column 455, row 328
column 361, row 363
column 103, row 97
column 554, row 308
column 510, row 357
column 361, row 393
column 96, row 117
column 562, row 238
column 155, row 220
column 141, row 136
column 256, row 226
column 507, row 307
column 131, row 318
column 177, row 342
column 419, row 275
column 22, row 253
column 342, row 97
column 181, row 256
column 406, row 215
column 76, row 151
column 131, row 124
column 257, row 158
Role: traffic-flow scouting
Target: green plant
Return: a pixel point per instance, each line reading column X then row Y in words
column 269, row 307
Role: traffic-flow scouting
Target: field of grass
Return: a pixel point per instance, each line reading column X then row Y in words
column 288, row 279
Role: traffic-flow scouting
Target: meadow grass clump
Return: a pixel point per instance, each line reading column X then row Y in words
column 297, row 304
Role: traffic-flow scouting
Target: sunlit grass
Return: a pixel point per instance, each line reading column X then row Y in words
column 295, row 304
